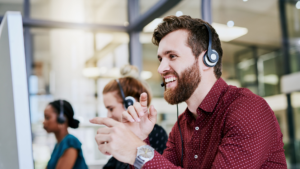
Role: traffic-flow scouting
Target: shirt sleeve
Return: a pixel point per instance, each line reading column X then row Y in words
column 248, row 141
column 70, row 142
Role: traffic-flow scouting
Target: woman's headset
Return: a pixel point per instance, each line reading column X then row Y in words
column 61, row 118
column 127, row 101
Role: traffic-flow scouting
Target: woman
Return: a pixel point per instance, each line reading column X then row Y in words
column 67, row 153
column 113, row 101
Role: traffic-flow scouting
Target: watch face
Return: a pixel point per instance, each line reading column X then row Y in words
column 146, row 152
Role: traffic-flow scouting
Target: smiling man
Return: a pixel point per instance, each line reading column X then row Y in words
column 222, row 127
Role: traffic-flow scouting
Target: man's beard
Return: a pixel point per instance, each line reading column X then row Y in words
column 187, row 83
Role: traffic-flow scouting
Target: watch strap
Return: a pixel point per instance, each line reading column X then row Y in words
column 138, row 163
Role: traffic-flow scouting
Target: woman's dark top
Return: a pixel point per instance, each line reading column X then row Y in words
column 158, row 139
column 69, row 141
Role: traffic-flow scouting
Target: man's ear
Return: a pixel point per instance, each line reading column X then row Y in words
column 201, row 63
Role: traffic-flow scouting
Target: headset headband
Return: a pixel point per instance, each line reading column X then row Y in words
column 61, row 118
column 209, row 40
column 122, row 93
column 61, row 106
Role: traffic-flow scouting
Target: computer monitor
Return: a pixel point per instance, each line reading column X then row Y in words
column 15, row 130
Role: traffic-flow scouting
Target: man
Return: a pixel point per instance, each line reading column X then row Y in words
column 222, row 127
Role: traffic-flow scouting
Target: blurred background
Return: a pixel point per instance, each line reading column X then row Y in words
column 74, row 47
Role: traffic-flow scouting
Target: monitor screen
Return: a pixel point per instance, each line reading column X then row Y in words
column 15, row 130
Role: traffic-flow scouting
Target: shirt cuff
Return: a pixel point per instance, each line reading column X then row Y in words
column 147, row 141
column 150, row 164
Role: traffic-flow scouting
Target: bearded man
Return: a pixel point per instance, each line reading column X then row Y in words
column 222, row 127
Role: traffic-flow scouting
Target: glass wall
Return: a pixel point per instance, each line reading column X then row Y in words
column 63, row 66
column 11, row 5
column 293, row 27
column 113, row 12
column 296, row 106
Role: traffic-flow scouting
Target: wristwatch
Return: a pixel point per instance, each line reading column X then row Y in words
column 144, row 154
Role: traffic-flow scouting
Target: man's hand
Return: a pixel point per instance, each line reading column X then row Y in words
column 138, row 119
column 116, row 139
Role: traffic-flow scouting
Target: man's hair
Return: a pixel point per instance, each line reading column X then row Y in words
column 197, row 39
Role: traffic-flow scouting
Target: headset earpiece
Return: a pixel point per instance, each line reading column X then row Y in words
column 211, row 57
column 61, row 118
column 129, row 100
column 212, row 60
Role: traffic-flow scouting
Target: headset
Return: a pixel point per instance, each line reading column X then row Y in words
column 127, row 101
column 61, row 118
column 210, row 59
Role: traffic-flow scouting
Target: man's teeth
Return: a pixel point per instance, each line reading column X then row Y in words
column 170, row 79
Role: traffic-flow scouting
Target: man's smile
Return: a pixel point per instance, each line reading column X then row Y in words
column 170, row 81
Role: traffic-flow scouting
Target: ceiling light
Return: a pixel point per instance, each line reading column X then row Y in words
column 146, row 75
column 91, row 72
column 250, row 78
column 245, row 0
column 245, row 64
column 113, row 73
column 103, row 39
column 233, row 82
column 298, row 5
column 178, row 13
column 230, row 23
column 227, row 34
column 102, row 70
column 126, row 23
column 152, row 25
column 271, row 79
column 145, row 38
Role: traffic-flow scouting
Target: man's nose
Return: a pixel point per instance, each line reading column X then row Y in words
column 163, row 66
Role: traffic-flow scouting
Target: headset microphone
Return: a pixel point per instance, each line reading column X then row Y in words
column 162, row 84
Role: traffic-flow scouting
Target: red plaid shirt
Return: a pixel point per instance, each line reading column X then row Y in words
column 234, row 129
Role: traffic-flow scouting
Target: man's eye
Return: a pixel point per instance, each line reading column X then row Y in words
column 172, row 56
column 111, row 110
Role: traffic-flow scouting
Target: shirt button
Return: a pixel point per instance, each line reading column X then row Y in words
column 195, row 156
column 197, row 128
